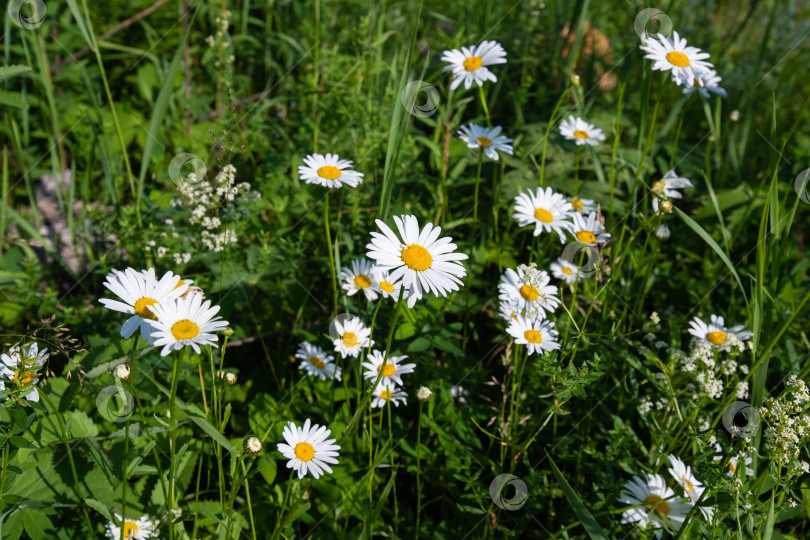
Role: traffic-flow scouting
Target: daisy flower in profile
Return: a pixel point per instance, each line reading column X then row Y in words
column 388, row 393
column 693, row 489
column 422, row 260
column 659, row 500
column 529, row 290
column 583, row 206
column 589, row 230
column 139, row 291
column 394, row 369
column 670, row 185
column 388, row 287
column 138, row 529
column 577, row 129
column 185, row 322
column 546, row 210
column 705, row 83
column 329, row 171
column 19, row 369
column 716, row 332
column 469, row 64
column 359, row 278
column 488, row 140
column 538, row 336
column 316, row 362
column 352, row 336
column 308, row 449
column 565, row 271
column 684, row 62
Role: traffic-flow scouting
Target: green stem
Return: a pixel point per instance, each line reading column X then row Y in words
column 331, row 255
column 418, row 468
column 172, row 437
column 125, row 460
column 484, row 105
column 249, row 505
column 477, row 182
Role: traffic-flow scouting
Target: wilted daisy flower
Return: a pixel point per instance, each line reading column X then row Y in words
column 315, row 361
column 252, row 445
column 359, row 278
column 393, row 372
column 583, row 206
column 682, row 473
column 122, row 371
column 716, row 332
column 19, row 369
column 668, row 188
column 529, row 288
column 565, row 270
column 468, row 65
column 388, row 392
column 732, row 463
column 308, row 450
column 659, row 500
column 138, row 529
column 185, row 322
column 388, row 287
column 329, row 171
column 662, row 232
column 538, row 336
column 423, row 260
column 589, row 230
column 424, row 393
column 580, row 131
column 546, row 210
column 705, row 83
column 352, row 336
column 488, row 140
column 684, row 62
column 139, row 291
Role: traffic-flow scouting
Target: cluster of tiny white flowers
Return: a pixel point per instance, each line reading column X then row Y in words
column 645, row 406
column 742, row 390
column 217, row 242
column 655, row 319
column 709, row 385
column 788, row 425
column 181, row 258
column 222, row 39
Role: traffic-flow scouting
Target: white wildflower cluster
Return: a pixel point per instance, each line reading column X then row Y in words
column 221, row 43
column 645, row 405
column 788, row 425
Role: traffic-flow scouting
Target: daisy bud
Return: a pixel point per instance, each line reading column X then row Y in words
column 121, row 371
column 228, row 376
column 305, row 496
column 423, row 394
column 575, row 79
column 252, row 445
column 734, row 116
column 228, row 332
column 665, row 206
column 662, row 232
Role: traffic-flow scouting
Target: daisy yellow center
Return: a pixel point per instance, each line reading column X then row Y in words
column 317, row 362
column 304, row 451
column 688, row 484
column 697, row 83
column 26, row 378
column 185, row 329
column 180, row 284
column 716, row 338
column 567, row 271
column 661, row 506
column 484, row 141
column 387, row 287
column 586, row 237
column 541, row 214
column 130, row 529
column 472, row 63
column 385, row 394
column 141, row 310
column 678, row 59
column 350, row 339
column 529, row 292
column 533, row 336
column 362, row 282
column 416, row 258
column 388, row 371
column 731, row 467
column 579, row 134
column 659, row 187
column 329, row 172
column 576, row 203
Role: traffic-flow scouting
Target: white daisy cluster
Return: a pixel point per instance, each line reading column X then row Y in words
column 390, row 388
column 788, row 424
column 526, row 298
column 137, row 529
column 687, row 65
column 19, row 372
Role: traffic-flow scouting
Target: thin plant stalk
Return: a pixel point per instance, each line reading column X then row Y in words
column 177, row 361
column 331, row 254
column 418, row 467
column 125, row 459
column 477, row 182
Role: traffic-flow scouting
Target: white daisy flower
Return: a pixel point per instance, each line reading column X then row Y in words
column 424, row 261
column 538, row 336
column 583, row 206
column 393, row 372
column 386, row 393
column 329, row 171
column 732, row 463
column 19, row 369
column 308, row 449
column 660, row 500
column 589, row 230
column 546, row 210
column 185, row 322
column 139, row 529
column 468, row 65
column 316, row 362
column 716, row 332
column 488, row 140
column 577, row 129
column 139, row 291
column 705, row 83
column 565, row 271
column 388, row 287
column 530, row 291
column 682, row 473
column 684, row 62
column 508, row 309
column 668, row 187
column 360, row 278
column 352, row 337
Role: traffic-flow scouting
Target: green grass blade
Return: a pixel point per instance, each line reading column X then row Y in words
column 585, row 517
